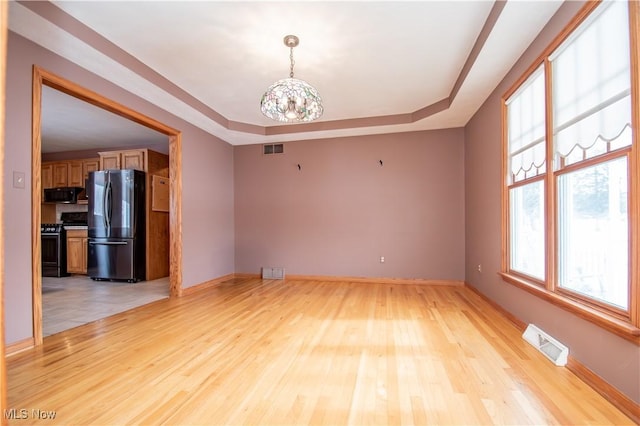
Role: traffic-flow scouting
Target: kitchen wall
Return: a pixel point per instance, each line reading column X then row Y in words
column 609, row 356
column 343, row 210
column 207, row 179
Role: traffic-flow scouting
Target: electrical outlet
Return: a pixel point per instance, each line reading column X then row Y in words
column 381, row 259
column 479, row 267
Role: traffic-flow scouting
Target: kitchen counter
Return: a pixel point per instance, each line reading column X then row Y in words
column 78, row 227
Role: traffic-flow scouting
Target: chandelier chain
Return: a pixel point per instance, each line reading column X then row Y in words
column 292, row 62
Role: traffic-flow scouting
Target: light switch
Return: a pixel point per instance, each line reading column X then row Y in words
column 18, row 180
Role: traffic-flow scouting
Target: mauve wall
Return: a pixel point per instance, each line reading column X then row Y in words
column 614, row 359
column 342, row 211
column 207, row 185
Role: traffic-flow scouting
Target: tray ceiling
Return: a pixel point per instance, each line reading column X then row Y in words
column 380, row 67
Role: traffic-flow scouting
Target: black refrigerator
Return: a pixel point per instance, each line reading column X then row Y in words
column 116, row 225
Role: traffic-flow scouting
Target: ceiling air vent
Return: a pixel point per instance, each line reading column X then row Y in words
column 273, row 148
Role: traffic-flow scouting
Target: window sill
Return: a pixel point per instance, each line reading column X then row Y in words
column 617, row 326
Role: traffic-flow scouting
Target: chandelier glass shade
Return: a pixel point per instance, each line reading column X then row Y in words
column 291, row 99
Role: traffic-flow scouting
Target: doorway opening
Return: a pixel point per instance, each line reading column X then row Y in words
column 42, row 78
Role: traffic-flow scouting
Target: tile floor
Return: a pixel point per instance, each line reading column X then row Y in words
column 72, row 301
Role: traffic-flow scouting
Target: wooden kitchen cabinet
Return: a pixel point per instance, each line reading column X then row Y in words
column 90, row 165
column 60, row 174
column 109, row 160
column 130, row 159
column 55, row 174
column 134, row 160
column 46, row 175
column 74, row 174
column 77, row 247
column 47, row 211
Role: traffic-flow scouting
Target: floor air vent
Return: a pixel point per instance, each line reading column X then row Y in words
column 550, row 347
column 269, row 273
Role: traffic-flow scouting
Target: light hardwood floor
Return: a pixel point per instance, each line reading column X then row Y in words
column 301, row 352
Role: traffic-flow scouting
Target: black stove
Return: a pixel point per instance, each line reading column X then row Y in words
column 53, row 239
column 51, row 228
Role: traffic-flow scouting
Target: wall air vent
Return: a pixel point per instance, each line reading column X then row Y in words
column 550, row 347
column 273, row 148
column 270, row 273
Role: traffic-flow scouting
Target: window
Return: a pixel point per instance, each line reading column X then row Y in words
column 570, row 169
column 593, row 228
column 526, row 151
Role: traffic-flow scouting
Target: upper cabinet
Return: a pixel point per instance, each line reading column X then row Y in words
column 57, row 174
column 60, row 174
column 90, row 165
column 130, row 159
column 47, row 175
column 74, row 173
column 79, row 170
column 134, row 160
column 109, row 160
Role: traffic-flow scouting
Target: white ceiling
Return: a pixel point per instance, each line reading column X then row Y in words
column 70, row 124
column 210, row 62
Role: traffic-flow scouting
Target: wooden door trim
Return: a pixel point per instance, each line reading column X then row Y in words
column 47, row 78
column 4, row 11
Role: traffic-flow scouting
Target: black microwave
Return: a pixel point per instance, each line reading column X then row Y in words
column 66, row 195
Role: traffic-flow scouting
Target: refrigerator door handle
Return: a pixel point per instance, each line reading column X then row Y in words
column 108, row 243
column 107, row 205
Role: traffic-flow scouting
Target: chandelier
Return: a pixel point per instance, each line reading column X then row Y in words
column 290, row 99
